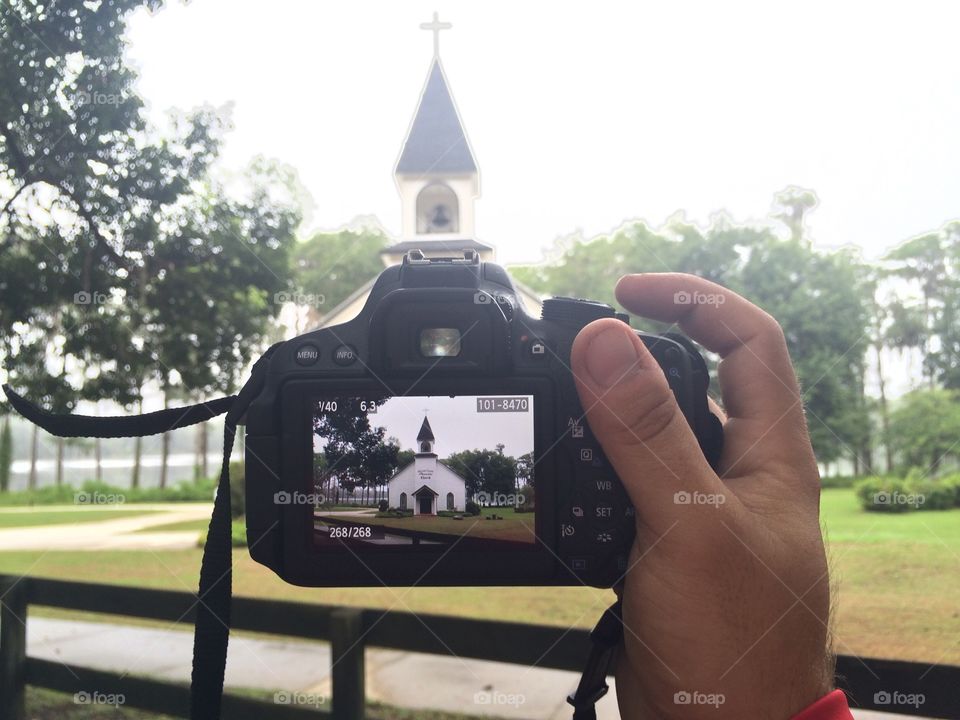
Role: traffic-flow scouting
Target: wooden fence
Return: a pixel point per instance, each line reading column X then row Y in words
column 349, row 631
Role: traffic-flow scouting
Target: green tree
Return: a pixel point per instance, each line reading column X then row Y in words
column 355, row 453
column 821, row 300
column 924, row 427
column 488, row 471
column 83, row 180
column 329, row 266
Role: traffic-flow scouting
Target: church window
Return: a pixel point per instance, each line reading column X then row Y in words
column 403, row 501
column 450, row 505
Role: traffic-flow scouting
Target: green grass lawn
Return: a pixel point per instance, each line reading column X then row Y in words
column 33, row 518
column 896, row 577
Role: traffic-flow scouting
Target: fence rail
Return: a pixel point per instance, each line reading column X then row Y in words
column 350, row 631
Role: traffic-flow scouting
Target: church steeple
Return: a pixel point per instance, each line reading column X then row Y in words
column 436, row 173
column 436, row 142
column 425, row 439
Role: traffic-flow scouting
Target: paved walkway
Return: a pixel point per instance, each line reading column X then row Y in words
column 120, row 534
column 473, row 687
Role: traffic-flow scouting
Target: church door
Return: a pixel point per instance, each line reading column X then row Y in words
column 426, row 504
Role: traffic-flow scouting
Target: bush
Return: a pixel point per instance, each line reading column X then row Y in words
column 914, row 492
column 383, row 506
column 839, row 481
column 884, row 494
column 471, row 508
column 199, row 491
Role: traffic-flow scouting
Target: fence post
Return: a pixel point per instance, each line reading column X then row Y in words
column 347, row 658
column 13, row 647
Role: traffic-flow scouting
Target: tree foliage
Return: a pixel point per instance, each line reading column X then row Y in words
column 488, row 471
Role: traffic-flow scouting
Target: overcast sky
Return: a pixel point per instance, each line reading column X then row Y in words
column 583, row 116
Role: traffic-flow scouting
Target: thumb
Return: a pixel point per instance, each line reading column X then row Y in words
column 636, row 419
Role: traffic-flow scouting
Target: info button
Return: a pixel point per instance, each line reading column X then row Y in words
column 307, row 354
column 345, row 355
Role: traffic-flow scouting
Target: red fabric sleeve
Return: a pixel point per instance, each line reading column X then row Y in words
column 832, row 706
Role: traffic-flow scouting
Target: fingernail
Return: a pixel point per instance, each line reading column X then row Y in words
column 610, row 356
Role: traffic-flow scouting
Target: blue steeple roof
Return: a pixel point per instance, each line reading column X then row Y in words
column 436, row 142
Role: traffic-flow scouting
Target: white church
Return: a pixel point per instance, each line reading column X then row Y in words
column 438, row 181
column 426, row 485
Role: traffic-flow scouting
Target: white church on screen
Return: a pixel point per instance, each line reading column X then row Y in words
column 426, row 485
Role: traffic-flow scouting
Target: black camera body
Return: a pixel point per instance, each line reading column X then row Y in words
column 444, row 405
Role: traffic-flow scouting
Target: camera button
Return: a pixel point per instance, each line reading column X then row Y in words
column 605, row 537
column 536, row 348
column 604, row 514
column 345, row 355
column 307, row 354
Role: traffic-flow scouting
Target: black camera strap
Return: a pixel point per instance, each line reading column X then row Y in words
column 605, row 639
column 212, row 626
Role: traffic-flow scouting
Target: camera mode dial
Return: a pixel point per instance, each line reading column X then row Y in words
column 576, row 311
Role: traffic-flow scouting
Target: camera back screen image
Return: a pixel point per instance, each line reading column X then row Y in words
column 426, row 470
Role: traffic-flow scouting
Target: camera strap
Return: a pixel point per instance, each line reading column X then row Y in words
column 212, row 624
column 605, row 639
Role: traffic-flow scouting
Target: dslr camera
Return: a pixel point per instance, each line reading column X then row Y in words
column 437, row 439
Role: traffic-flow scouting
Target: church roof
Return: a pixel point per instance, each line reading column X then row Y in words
column 436, row 142
column 425, row 432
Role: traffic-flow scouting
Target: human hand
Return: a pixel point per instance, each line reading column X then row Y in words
column 726, row 597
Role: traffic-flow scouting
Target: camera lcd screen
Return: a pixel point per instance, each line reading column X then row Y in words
column 423, row 471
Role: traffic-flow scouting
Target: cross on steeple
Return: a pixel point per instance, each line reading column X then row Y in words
column 436, row 26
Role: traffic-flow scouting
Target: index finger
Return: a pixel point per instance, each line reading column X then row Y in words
column 759, row 387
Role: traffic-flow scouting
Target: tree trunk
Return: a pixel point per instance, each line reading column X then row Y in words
column 60, row 445
column 164, row 450
column 34, row 450
column 204, row 450
column 884, row 411
column 98, row 454
column 137, row 453
column 6, row 454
